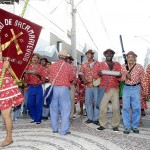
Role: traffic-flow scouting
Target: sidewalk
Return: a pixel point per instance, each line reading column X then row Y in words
column 83, row 137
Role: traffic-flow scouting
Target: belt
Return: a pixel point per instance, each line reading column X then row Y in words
column 132, row 84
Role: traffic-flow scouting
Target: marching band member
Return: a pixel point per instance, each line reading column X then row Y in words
column 34, row 77
column 132, row 93
column 10, row 96
column 45, row 85
column 91, row 92
column 111, row 93
column 61, row 74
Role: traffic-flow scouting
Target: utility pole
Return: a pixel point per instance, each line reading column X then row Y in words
column 73, row 33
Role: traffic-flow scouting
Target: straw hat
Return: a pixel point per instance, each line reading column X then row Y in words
column 63, row 53
column 131, row 53
column 90, row 51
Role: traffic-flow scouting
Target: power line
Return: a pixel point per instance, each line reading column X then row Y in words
column 68, row 2
column 88, row 33
column 56, row 7
column 79, row 3
column 45, row 17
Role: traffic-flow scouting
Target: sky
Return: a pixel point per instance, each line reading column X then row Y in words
column 107, row 19
column 103, row 20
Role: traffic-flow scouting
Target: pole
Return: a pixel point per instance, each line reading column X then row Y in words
column 24, row 8
column 73, row 34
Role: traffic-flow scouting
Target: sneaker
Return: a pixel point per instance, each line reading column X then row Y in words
column 15, row 119
column 101, row 128
column 96, row 122
column 85, row 114
column 88, row 121
column 116, row 129
column 74, row 116
column 135, row 130
column 126, row 131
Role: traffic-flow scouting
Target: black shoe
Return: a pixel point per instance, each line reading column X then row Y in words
column 67, row 133
column 96, row 122
column 55, row 131
column 135, row 130
column 116, row 129
column 32, row 121
column 88, row 121
column 38, row 122
column 101, row 128
column 44, row 118
column 126, row 131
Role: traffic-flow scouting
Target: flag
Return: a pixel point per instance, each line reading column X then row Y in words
column 18, row 40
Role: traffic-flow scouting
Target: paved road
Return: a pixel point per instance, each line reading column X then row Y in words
column 84, row 137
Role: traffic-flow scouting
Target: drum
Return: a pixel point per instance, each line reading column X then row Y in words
column 111, row 73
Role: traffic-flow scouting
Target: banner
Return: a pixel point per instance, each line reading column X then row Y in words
column 18, row 40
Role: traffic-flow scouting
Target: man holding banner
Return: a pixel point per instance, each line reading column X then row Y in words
column 18, row 38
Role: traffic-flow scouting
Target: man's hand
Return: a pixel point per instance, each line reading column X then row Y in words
column 99, row 73
column 128, row 76
column 6, row 64
column 83, row 79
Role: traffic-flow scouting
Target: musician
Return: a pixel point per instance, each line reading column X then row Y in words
column 10, row 96
column 34, row 77
column 91, row 93
column 132, row 93
column 45, row 85
column 72, row 88
column 111, row 93
column 61, row 74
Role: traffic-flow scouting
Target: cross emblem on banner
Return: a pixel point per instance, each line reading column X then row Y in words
column 13, row 39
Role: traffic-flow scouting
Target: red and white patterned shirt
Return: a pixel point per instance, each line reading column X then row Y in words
column 137, row 75
column 65, row 76
column 33, row 79
column 46, row 71
column 110, row 81
column 74, row 68
column 88, row 71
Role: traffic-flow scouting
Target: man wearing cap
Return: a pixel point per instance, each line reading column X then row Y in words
column 111, row 93
column 61, row 74
column 72, row 88
column 91, row 93
column 34, row 77
column 131, row 93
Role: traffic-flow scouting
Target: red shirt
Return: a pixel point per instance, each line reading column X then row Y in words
column 88, row 71
column 137, row 76
column 74, row 68
column 33, row 79
column 110, row 81
column 65, row 76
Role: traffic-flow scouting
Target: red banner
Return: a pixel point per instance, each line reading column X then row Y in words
column 18, row 40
